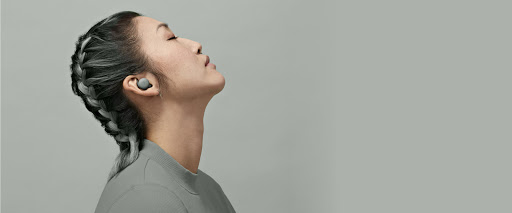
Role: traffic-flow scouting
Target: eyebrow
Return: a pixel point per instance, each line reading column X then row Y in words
column 160, row 25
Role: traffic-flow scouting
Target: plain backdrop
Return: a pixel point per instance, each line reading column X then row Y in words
column 329, row 106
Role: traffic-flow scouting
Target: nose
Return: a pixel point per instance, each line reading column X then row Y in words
column 196, row 46
column 200, row 48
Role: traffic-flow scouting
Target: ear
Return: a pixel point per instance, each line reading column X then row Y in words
column 130, row 85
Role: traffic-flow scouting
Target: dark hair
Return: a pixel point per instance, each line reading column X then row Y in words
column 105, row 55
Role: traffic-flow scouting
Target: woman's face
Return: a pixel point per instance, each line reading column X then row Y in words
column 180, row 60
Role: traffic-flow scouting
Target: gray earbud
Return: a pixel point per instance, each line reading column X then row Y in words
column 144, row 84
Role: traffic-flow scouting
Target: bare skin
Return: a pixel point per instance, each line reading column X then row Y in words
column 174, row 119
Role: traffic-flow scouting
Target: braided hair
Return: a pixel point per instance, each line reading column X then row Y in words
column 104, row 56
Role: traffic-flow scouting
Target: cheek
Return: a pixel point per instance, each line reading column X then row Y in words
column 168, row 60
column 174, row 59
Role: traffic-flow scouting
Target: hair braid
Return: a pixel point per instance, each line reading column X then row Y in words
column 104, row 57
column 120, row 135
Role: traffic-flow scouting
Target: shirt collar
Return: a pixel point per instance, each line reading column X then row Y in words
column 182, row 175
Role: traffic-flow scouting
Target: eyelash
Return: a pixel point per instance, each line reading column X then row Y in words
column 172, row 38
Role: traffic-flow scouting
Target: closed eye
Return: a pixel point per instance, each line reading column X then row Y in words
column 174, row 37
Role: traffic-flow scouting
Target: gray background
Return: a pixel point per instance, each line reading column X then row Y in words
column 329, row 106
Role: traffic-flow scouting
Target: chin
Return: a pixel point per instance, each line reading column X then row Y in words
column 218, row 84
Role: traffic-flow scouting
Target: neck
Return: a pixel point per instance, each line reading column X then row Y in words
column 178, row 129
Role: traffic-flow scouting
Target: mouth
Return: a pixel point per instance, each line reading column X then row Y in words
column 207, row 60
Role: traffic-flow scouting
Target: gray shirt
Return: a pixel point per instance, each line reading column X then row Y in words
column 156, row 182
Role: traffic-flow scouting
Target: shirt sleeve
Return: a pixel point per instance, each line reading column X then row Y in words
column 148, row 199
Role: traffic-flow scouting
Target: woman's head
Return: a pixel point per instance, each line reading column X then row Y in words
column 122, row 48
column 178, row 59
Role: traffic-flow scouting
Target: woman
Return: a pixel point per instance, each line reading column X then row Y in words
column 149, row 89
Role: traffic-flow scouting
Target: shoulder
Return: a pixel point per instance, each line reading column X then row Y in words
column 209, row 182
column 148, row 198
column 216, row 190
column 206, row 178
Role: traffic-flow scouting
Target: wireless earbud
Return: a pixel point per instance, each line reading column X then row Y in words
column 144, row 84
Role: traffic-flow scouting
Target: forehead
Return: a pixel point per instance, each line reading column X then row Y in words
column 147, row 26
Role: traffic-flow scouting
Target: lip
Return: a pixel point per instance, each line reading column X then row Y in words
column 207, row 60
